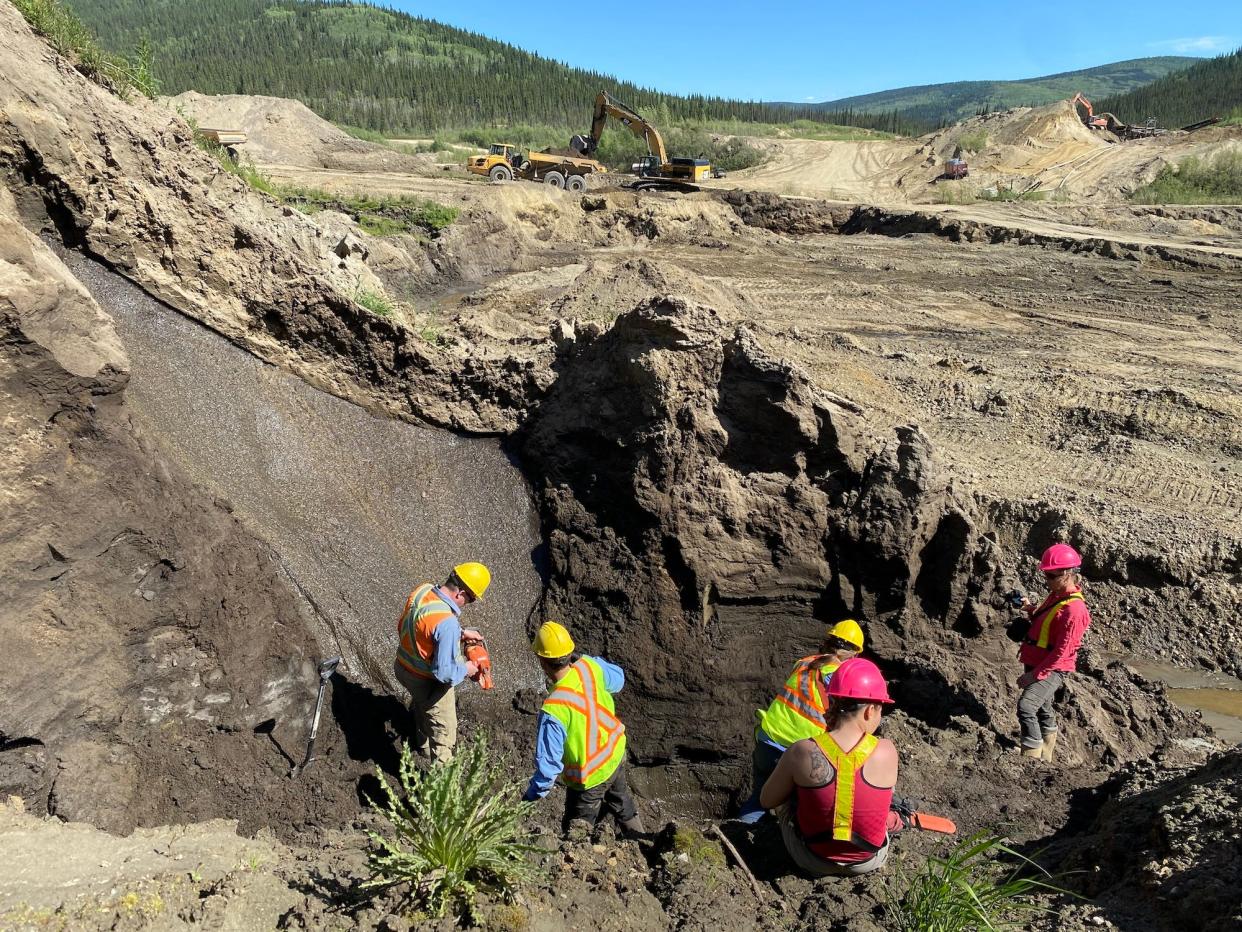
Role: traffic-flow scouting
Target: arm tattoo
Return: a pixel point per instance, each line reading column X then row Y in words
column 820, row 770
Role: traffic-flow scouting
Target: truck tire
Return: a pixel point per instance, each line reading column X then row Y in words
column 575, row 183
column 501, row 173
column 556, row 179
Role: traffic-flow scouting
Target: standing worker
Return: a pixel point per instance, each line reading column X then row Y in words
column 835, row 791
column 579, row 737
column 798, row 711
column 1051, row 648
column 429, row 660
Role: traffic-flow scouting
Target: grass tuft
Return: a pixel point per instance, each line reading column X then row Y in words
column 375, row 302
column 456, row 832
column 974, row 141
column 968, row 890
column 71, row 38
column 1215, row 180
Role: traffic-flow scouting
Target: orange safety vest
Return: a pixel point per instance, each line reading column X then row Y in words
column 800, row 710
column 424, row 611
column 1044, row 620
column 594, row 736
column 846, row 765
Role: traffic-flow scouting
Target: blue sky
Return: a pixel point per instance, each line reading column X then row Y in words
column 783, row 50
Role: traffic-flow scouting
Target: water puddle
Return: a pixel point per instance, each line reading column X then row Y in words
column 359, row 508
column 1216, row 696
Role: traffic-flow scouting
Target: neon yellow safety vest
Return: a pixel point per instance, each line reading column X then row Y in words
column 1045, row 619
column 846, row 765
column 594, row 736
column 800, row 710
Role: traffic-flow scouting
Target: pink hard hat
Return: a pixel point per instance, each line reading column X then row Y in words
column 859, row 679
column 1059, row 557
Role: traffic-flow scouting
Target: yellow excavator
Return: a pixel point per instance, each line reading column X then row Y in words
column 655, row 169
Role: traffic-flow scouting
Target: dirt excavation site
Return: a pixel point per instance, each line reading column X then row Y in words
column 695, row 428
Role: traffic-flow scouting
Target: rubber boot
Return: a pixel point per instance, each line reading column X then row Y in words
column 1050, row 745
column 1037, row 753
column 634, row 826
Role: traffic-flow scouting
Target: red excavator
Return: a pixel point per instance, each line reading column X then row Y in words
column 1103, row 121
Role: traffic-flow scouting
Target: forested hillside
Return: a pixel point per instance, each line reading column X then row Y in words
column 1210, row 88
column 384, row 70
column 940, row 104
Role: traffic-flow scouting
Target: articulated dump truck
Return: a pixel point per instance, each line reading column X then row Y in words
column 504, row 162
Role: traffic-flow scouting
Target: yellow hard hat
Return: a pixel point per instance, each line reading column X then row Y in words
column 552, row 641
column 848, row 631
column 475, row 576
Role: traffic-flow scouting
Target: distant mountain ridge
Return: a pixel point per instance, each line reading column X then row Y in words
column 956, row 100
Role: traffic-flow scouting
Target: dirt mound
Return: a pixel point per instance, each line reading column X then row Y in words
column 281, row 131
column 1163, row 850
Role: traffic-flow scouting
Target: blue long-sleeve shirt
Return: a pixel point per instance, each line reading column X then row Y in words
column 447, row 664
column 550, row 739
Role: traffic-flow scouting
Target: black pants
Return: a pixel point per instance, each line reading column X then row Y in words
column 613, row 794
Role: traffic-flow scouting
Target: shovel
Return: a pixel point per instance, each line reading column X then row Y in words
column 326, row 669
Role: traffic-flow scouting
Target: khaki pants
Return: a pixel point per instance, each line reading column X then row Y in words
column 434, row 707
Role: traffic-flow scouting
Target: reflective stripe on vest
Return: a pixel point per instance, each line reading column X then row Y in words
column 800, row 710
column 424, row 610
column 1045, row 622
column 594, row 736
column 846, row 766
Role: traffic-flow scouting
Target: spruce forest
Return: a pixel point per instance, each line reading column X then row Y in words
column 383, row 70
column 1210, row 88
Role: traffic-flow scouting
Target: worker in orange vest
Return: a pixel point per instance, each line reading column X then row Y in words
column 579, row 737
column 833, row 794
column 798, row 710
column 1050, row 650
column 430, row 662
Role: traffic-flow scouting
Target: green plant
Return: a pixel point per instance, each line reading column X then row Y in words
column 375, row 302
column 457, row 829
column 968, row 890
column 1215, row 180
column 71, row 38
column 973, row 141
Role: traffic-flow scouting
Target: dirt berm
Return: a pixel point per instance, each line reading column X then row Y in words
column 705, row 507
column 286, row 132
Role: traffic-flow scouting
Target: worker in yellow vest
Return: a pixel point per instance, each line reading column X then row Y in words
column 579, row 737
column 799, row 709
column 833, row 793
column 430, row 663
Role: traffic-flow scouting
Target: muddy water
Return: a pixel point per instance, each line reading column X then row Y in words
column 1217, row 696
column 358, row 508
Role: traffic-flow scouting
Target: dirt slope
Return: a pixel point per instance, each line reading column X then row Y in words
column 287, row 132
column 1045, row 148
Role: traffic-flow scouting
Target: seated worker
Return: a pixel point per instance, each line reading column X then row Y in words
column 835, row 791
column 579, row 737
column 798, row 711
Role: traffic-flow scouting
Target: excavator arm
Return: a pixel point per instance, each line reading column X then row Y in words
column 605, row 107
column 1079, row 99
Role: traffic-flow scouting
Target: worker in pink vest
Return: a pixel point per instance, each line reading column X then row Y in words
column 1050, row 650
column 833, row 793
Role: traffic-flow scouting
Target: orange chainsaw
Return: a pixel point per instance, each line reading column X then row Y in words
column 476, row 651
column 927, row 821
